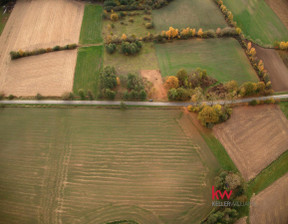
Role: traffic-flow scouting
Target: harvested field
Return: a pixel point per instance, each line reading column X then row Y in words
column 39, row 24
column 154, row 76
column 280, row 7
column 224, row 59
column 254, row 137
column 186, row 13
column 270, row 205
column 276, row 68
column 48, row 74
column 99, row 165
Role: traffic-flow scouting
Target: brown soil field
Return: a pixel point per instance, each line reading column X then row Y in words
column 39, row 24
column 254, row 137
column 270, row 205
column 154, row 76
column 280, row 7
column 276, row 68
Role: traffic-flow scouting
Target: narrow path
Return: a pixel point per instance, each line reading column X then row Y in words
column 136, row 103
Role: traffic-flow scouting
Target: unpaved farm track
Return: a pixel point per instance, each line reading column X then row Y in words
column 276, row 68
column 270, row 205
column 280, row 7
column 254, row 137
column 39, row 24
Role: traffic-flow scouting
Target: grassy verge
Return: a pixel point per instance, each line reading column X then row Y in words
column 3, row 20
column 89, row 64
column 284, row 108
column 91, row 25
column 223, row 59
column 219, row 152
column 258, row 21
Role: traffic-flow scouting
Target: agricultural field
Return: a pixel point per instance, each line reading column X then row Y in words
column 91, row 25
column 275, row 66
column 145, row 60
column 101, row 165
column 280, row 7
column 284, row 56
column 89, row 65
column 223, row 59
column 186, row 13
column 271, row 204
column 40, row 24
column 246, row 124
column 284, row 108
column 132, row 24
column 258, row 21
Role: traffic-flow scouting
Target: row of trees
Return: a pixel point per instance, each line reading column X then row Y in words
column 21, row 53
column 281, row 45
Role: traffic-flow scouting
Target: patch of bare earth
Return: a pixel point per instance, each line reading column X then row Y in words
column 40, row 24
column 270, row 205
column 158, row 91
column 280, row 7
column 254, row 137
column 276, row 68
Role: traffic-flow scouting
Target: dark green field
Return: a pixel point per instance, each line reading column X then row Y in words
column 257, row 20
column 224, row 59
column 89, row 65
column 91, row 25
column 100, row 165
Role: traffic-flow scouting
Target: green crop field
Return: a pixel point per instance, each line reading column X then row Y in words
column 123, row 26
column 187, row 13
column 123, row 64
column 223, row 59
column 101, row 165
column 257, row 20
column 89, row 65
column 284, row 108
column 91, row 25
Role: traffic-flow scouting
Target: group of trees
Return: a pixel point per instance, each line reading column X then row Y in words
column 228, row 181
column 135, row 88
column 183, row 85
column 281, row 45
column 20, row 53
column 131, row 48
column 108, row 83
column 128, row 5
column 211, row 115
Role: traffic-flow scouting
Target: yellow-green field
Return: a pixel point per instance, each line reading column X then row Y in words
column 100, row 165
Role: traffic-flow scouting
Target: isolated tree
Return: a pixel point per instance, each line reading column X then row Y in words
column 171, row 82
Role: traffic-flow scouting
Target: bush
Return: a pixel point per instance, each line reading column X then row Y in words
column 110, row 48
column 149, row 25
column 109, row 94
column 2, row 95
column 179, row 94
column 131, row 48
column 81, row 94
column 56, row 48
column 108, row 78
column 11, row 97
column 148, row 18
column 114, row 17
column 39, row 96
column 68, row 96
column 90, row 95
column 131, row 20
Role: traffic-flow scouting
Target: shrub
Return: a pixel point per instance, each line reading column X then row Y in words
column 11, row 97
column 39, row 96
column 90, row 95
column 253, row 103
column 142, row 95
column 131, row 48
column 109, row 94
column 110, row 48
column 148, row 18
column 179, row 94
column 131, row 20
column 81, row 94
column 2, row 95
column 56, row 48
column 149, row 25
column 68, row 96
column 108, row 78
column 114, row 17
column 172, row 82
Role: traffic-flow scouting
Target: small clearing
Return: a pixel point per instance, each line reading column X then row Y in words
column 158, row 90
